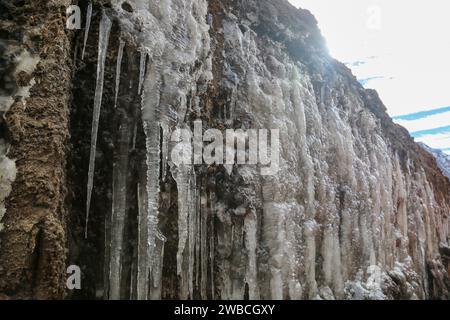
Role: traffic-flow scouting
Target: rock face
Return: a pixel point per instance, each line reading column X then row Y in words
column 442, row 159
column 356, row 210
column 34, row 103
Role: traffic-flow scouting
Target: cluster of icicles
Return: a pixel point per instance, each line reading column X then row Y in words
column 342, row 203
column 158, row 117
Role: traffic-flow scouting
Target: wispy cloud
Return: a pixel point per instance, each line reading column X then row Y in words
column 424, row 120
column 434, row 131
column 423, row 114
column 431, row 127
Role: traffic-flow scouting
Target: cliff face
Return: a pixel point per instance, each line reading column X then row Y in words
column 356, row 210
column 35, row 71
column 442, row 159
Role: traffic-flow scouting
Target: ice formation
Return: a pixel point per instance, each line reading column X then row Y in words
column 350, row 213
column 119, row 203
column 118, row 69
column 105, row 28
column 87, row 27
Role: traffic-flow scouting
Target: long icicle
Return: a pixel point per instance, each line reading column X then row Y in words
column 181, row 175
column 203, row 241
column 118, row 69
column 105, row 28
column 87, row 27
column 211, row 243
column 142, row 283
column 191, row 233
column 119, row 207
column 149, row 220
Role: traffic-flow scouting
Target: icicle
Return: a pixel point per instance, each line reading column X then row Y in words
column 184, row 175
column 251, row 277
column 181, row 176
column 106, row 256
column 153, row 157
column 86, row 29
column 157, row 266
column 142, row 69
column 211, row 243
column 143, row 269
column 197, row 235
column 119, row 207
column 105, row 28
column 203, row 243
column 165, row 148
column 148, row 219
column 192, row 192
column 118, row 67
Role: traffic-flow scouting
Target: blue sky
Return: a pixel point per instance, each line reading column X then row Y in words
column 400, row 48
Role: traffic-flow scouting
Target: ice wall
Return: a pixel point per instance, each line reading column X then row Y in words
column 350, row 214
column 343, row 211
column 173, row 42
